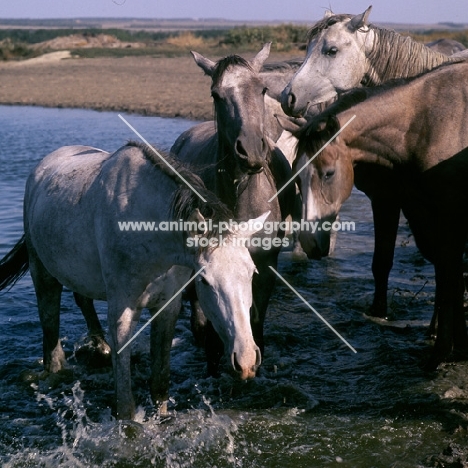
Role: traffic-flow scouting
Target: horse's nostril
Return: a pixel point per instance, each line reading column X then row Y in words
column 258, row 359
column 291, row 99
column 236, row 364
column 240, row 149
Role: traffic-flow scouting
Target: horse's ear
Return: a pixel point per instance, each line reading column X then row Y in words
column 254, row 225
column 358, row 21
column 328, row 13
column 205, row 64
column 259, row 59
column 321, row 125
column 198, row 218
column 290, row 124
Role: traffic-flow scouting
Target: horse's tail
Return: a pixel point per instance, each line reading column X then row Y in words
column 14, row 264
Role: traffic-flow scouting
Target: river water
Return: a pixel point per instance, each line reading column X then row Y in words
column 315, row 403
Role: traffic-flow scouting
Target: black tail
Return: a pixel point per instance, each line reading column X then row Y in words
column 14, row 264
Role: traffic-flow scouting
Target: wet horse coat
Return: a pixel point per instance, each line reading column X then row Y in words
column 74, row 201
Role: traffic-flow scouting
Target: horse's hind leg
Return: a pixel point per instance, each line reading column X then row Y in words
column 48, row 294
column 96, row 333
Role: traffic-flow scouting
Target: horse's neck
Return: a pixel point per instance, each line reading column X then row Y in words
column 374, row 137
column 253, row 195
column 247, row 196
column 395, row 56
column 226, row 177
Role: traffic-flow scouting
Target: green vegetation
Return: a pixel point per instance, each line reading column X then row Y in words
column 23, row 43
column 13, row 50
column 283, row 37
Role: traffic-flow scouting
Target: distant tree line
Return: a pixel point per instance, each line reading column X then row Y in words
column 18, row 43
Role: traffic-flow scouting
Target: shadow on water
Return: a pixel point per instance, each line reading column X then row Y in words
column 315, row 403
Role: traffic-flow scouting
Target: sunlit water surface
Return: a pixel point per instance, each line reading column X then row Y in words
column 314, row 404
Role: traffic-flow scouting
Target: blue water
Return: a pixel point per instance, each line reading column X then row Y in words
column 314, row 404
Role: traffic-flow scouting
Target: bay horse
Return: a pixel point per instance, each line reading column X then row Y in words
column 237, row 159
column 345, row 51
column 417, row 128
column 75, row 200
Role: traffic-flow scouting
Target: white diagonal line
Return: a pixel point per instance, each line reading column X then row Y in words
column 160, row 310
column 162, row 158
column 312, row 309
column 312, row 158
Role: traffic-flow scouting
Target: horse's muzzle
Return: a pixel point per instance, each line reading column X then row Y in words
column 315, row 246
column 246, row 370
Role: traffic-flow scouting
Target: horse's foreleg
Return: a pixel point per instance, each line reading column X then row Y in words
column 162, row 333
column 386, row 212
column 214, row 350
column 262, row 288
column 48, row 294
column 122, row 323
column 298, row 253
column 163, row 291
column 198, row 321
column 96, row 332
column 452, row 337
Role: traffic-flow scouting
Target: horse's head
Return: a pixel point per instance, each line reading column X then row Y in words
column 224, row 289
column 325, row 177
column 238, row 93
column 336, row 60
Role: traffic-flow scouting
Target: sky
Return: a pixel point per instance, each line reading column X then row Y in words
column 306, row 11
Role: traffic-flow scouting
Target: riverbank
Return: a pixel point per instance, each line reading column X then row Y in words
column 158, row 86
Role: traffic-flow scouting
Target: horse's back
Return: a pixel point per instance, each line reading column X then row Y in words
column 65, row 169
column 57, row 214
column 198, row 147
column 77, row 200
column 196, row 142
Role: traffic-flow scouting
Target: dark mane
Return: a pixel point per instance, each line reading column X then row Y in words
column 223, row 64
column 185, row 201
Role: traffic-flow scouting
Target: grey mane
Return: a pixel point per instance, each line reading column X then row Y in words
column 402, row 57
column 392, row 55
column 185, row 201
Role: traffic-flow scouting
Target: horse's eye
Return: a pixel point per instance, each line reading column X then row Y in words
column 331, row 52
column 264, row 90
column 215, row 95
column 329, row 174
column 203, row 280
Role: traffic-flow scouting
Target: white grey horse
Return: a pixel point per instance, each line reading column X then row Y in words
column 74, row 201
column 344, row 51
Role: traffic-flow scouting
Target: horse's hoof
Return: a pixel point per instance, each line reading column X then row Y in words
column 95, row 353
column 378, row 311
column 298, row 255
column 431, row 363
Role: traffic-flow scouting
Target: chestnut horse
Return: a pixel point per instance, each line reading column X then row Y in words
column 414, row 127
